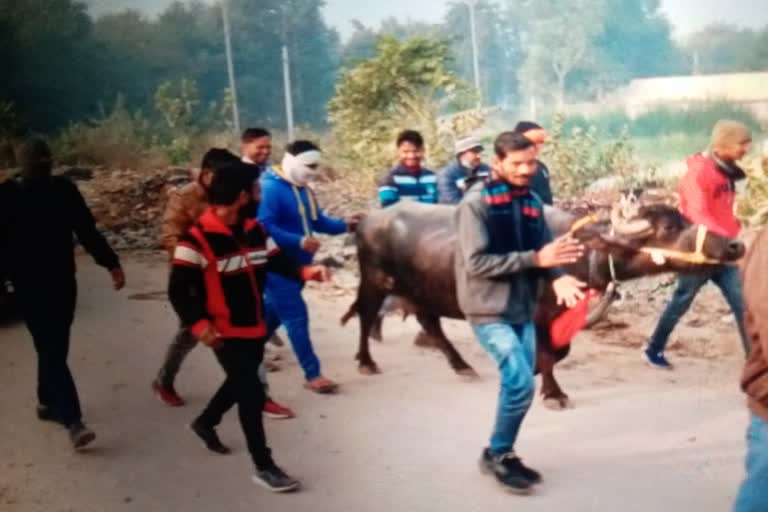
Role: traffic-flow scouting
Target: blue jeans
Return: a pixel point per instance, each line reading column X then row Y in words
column 753, row 495
column 285, row 305
column 688, row 285
column 513, row 347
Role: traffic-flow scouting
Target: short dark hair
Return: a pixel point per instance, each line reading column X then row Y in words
column 507, row 142
column 526, row 126
column 229, row 180
column 34, row 149
column 411, row 136
column 298, row 147
column 217, row 157
column 254, row 133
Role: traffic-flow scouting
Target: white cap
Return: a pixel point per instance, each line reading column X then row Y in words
column 466, row 144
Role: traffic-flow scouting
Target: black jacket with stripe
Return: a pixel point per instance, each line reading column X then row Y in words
column 217, row 278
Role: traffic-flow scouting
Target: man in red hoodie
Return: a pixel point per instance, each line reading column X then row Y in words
column 707, row 197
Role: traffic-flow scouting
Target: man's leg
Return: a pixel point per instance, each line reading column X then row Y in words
column 688, row 285
column 285, row 296
column 729, row 282
column 183, row 343
column 272, row 409
column 513, row 350
column 753, row 495
column 205, row 424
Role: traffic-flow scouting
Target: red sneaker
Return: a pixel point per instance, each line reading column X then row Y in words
column 276, row 411
column 167, row 395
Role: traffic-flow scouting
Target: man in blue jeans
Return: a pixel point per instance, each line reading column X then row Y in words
column 707, row 196
column 290, row 213
column 504, row 247
column 753, row 496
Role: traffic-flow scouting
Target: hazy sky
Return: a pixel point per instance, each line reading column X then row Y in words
column 686, row 15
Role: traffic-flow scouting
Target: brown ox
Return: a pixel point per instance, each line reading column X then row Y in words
column 407, row 251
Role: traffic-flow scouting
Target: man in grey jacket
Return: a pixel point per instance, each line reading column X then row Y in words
column 504, row 247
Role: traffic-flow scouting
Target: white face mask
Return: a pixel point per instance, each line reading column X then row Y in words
column 296, row 168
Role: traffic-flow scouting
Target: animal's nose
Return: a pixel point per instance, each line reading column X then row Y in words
column 736, row 249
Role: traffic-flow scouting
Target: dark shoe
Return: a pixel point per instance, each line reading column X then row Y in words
column 167, row 395
column 45, row 413
column 510, row 472
column 275, row 479
column 657, row 359
column 210, row 438
column 80, row 435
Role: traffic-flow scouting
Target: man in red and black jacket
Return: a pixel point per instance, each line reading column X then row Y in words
column 216, row 287
column 707, row 197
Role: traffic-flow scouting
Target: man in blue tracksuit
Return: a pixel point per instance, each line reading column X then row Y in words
column 452, row 181
column 408, row 181
column 290, row 213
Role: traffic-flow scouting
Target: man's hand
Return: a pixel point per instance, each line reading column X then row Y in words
column 353, row 220
column 118, row 278
column 563, row 251
column 568, row 290
column 319, row 273
column 211, row 337
column 310, row 244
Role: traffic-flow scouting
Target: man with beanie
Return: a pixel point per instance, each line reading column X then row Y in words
column 707, row 197
column 216, row 283
column 540, row 184
column 291, row 215
column 40, row 214
column 452, row 181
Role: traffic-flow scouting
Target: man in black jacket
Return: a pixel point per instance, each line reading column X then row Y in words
column 40, row 214
column 540, row 183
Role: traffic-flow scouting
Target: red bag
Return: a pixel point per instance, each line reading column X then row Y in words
column 566, row 326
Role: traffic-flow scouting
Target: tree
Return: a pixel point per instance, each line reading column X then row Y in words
column 403, row 85
column 723, row 48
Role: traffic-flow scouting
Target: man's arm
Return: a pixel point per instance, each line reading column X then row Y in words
column 186, row 286
column 84, row 226
column 551, row 273
column 176, row 221
column 448, row 189
column 324, row 223
column 389, row 194
column 698, row 194
column 474, row 242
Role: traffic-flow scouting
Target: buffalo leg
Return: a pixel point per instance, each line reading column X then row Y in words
column 369, row 301
column 434, row 330
column 546, row 358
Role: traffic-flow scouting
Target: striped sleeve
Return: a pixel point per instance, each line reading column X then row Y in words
column 389, row 193
column 189, row 254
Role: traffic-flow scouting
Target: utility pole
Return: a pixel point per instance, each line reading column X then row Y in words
column 475, row 58
column 287, row 87
column 230, row 66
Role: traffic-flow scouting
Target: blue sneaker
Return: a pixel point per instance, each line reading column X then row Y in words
column 657, row 360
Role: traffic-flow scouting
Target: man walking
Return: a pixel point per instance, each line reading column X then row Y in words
column 291, row 215
column 216, row 283
column 707, row 196
column 452, row 181
column 503, row 248
column 40, row 215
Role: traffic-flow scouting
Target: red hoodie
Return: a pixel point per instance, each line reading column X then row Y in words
column 707, row 196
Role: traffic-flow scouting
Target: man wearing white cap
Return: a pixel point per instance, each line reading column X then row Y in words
column 452, row 181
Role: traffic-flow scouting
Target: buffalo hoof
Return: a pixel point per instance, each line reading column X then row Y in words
column 558, row 403
column 424, row 340
column 369, row 369
column 468, row 374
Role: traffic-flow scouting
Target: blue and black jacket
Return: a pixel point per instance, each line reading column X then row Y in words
column 400, row 184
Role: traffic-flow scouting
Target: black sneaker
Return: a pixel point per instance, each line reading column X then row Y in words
column 275, row 479
column 45, row 413
column 510, row 472
column 210, row 438
column 80, row 435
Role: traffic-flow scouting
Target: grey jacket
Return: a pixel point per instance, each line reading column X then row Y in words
column 500, row 229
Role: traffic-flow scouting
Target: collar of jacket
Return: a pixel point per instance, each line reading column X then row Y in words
column 211, row 223
column 730, row 169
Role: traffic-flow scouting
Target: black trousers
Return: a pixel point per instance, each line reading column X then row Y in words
column 48, row 310
column 240, row 359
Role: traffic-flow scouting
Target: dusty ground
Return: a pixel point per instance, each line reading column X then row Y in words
column 638, row 439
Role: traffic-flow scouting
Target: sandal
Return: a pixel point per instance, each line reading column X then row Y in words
column 321, row 385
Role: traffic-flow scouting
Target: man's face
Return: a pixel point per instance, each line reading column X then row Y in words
column 206, row 177
column 472, row 158
column 410, row 154
column 257, row 150
column 517, row 168
column 734, row 151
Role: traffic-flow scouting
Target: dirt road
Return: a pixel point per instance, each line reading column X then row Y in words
column 638, row 440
